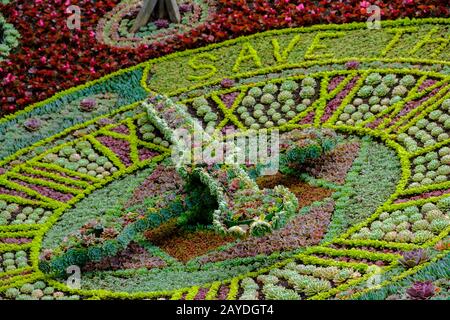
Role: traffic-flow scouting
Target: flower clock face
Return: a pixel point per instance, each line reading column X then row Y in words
column 91, row 205
column 9, row 38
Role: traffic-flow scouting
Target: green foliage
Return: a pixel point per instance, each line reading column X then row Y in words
column 436, row 270
column 62, row 113
column 200, row 204
column 106, row 203
column 371, row 181
column 373, row 177
column 304, row 146
column 272, row 292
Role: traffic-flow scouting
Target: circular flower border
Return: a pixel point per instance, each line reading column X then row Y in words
column 111, row 26
column 234, row 284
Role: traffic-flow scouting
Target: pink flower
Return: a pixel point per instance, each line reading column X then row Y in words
column 43, row 59
column 227, row 83
column 300, row 7
column 234, row 184
column 66, row 66
column 9, row 78
column 364, row 4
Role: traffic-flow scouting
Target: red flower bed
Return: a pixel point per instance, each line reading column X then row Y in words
column 51, row 57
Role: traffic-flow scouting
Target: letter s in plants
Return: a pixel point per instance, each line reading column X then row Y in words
column 195, row 64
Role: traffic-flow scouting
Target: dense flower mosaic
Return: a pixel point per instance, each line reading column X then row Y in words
column 360, row 208
column 53, row 57
column 113, row 29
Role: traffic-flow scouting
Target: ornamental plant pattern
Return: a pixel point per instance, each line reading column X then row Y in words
column 99, row 190
column 8, row 38
column 113, row 28
column 70, row 58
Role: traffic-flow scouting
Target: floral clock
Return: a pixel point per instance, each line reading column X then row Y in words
column 97, row 191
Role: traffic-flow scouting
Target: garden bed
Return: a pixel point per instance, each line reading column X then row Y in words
column 87, row 178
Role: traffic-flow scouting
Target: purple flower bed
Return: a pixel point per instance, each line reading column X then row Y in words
column 48, row 179
column 223, row 292
column 145, row 154
column 123, row 129
column 375, row 123
column 229, row 98
column 11, row 192
column 120, row 147
column 335, row 82
column 335, row 165
column 15, row 240
column 303, row 230
column 410, row 106
column 426, row 84
column 425, row 195
column 46, row 191
column 201, row 294
column 62, row 174
column 162, row 179
column 308, row 119
column 336, row 102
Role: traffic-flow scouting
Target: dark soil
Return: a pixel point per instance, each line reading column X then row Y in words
column 305, row 193
column 184, row 245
